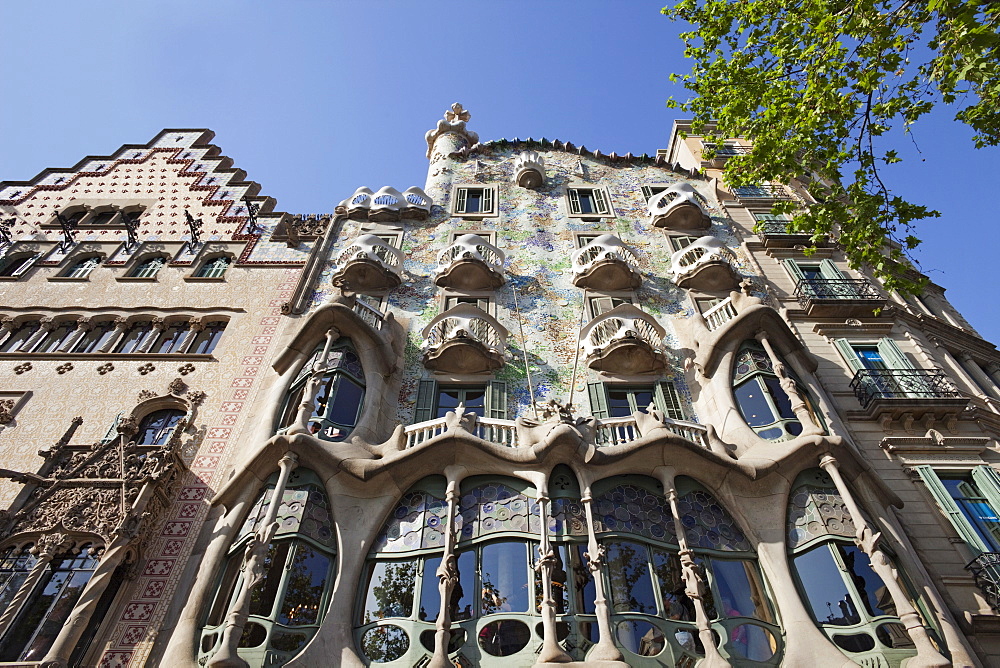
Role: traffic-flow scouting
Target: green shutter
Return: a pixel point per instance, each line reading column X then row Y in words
column 460, row 200
column 426, row 401
column 574, row 200
column 987, row 479
column 951, row 509
column 496, row 400
column 892, row 355
column 850, row 356
column 668, row 401
column 793, row 269
column 829, row 270
column 487, row 200
column 598, row 400
column 600, row 201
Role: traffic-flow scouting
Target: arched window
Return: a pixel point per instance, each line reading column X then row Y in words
column 214, row 268
column 15, row 562
column 82, row 268
column 17, row 264
column 149, row 267
column 172, row 339
column 19, row 336
column 763, row 403
column 96, row 337
column 134, row 336
column 208, row 338
column 156, row 428
column 339, row 401
column 56, row 337
column 48, row 607
column 287, row 606
column 846, row 598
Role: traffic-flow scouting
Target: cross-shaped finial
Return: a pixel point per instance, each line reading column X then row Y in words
column 457, row 113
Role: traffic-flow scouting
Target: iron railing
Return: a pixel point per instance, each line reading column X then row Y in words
column 810, row 289
column 776, row 228
column 985, row 570
column 765, row 191
column 726, row 150
column 902, row 384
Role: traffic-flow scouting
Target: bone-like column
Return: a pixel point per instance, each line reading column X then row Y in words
column 788, row 384
column 448, row 575
column 551, row 651
column 605, row 650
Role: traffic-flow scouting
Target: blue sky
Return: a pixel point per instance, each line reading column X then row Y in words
column 313, row 99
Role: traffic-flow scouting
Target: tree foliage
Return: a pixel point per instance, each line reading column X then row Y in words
column 816, row 84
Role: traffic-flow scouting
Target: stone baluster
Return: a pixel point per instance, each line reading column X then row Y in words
column 154, row 333
column 45, row 325
column 47, row 547
column 447, row 574
column 115, row 336
column 253, row 572
column 788, row 384
column 868, row 540
column 605, row 650
column 694, row 585
column 83, row 325
column 551, row 651
column 195, row 327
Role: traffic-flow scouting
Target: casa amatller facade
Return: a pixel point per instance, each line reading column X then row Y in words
column 555, row 406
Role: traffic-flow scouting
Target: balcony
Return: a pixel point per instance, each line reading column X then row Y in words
column 388, row 204
column 838, row 297
column 720, row 314
column 986, row 570
column 368, row 264
column 913, row 391
column 775, row 234
column 529, row 170
column 625, row 341
column 471, row 263
column 763, row 193
column 678, row 208
column 464, row 339
column 704, row 265
column 606, row 264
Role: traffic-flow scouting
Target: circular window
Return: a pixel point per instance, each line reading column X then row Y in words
column 893, row 634
column 456, row 640
column 385, row 643
column 562, row 630
column 640, row 638
column 254, row 635
column 749, row 641
column 855, row 642
column 208, row 642
column 688, row 639
column 504, row 637
column 288, row 642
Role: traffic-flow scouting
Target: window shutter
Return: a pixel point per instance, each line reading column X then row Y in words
column 598, row 400
column 112, row 432
column 426, row 400
column 794, row 270
column 950, row 508
column 892, row 355
column 600, row 201
column 668, row 401
column 601, row 305
column 829, row 270
column 496, row 400
column 487, row 200
column 987, row 479
column 574, row 200
column 850, row 356
column 460, row 200
column 27, row 265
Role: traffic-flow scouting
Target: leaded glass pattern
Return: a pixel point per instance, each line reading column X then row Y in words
column 751, row 360
column 495, row 508
column 303, row 510
column 815, row 510
column 634, row 509
column 418, row 521
column 707, row 524
column 567, row 517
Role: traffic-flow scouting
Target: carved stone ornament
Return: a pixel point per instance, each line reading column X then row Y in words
column 177, row 387
column 23, row 367
column 145, row 394
column 6, row 411
column 453, row 123
column 107, row 367
column 127, row 425
column 195, row 397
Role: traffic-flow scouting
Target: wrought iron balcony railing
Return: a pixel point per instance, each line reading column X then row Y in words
column 812, row 289
column 727, row 150
column 776, row 228
column 985, row 570
column 764, row 191
column 870, row 385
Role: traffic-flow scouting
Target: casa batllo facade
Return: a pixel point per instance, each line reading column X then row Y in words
column 553, row 407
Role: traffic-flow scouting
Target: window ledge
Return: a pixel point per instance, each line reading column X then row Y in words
column 70, row 279
column 107, row 356
column 11, row 278
column 205, row 279
column 136, row 279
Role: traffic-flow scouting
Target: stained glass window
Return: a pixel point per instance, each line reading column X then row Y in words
column 494, row 508
column 634, row 509
column 761, row 399
column 815, row 510
column 338, row 403
column 707, row 524
column 417, row 522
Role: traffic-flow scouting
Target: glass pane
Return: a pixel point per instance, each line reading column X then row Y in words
column 870, row 358
column 753, row 406
column 676, row 603
column 504, row 637
column 642, row 399
column 584, row 591
column 628, row 573
column 53, row 622
column 781, row 400
column 618, row 403
column 463, row 595
column 226, row 588
column 976, row 509
column 430, row 595
column 640, row 638
column 304, row 588
column 390, row 590
column 749, row 641
column 586, row 201
column 505, row 577
column 385, row 643
column 474, row 401
column 825, row 591
column 447, row 401
column 262, row 596
column 346, row 402
column 473, row 201
column 741, row 591
column 869, row 585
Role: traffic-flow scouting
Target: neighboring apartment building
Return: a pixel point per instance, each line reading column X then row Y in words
column 556, row 406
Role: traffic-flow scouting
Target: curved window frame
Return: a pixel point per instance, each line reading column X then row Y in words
column 149, row 267
column 334, row 388
column 214, row 267
column 18, row 337
column 158, row 426
column 292, row 546
column 82, row 267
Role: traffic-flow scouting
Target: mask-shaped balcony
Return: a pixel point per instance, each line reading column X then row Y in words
column 388, row 204
column 624, row 340
column 704, row 265
column 529, row 170
column 465, row 339
column 368, row 264
column 606, row 264
column 471, row 263
column 678, row 208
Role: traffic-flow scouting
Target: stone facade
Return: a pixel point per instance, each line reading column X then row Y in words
column 555, row 406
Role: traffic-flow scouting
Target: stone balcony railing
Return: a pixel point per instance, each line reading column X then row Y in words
column 606, row 264
column 471, row 263
column 720, row 314
column 368, row 263
column 678, row 208
column 704, row 265
column 464, row 339
column 625, row 340
column 388, row 204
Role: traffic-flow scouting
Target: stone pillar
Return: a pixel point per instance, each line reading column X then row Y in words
column 809, row 426
column 868, row 541
column 956, row 368
column 986, row 384
column 45, row 326
column 253, row 572
column 158, row 326
column 993, row 369
column 694, row 585
column 6, row 326
column 83, row 326
column 116, row 335
column 551, row 651
column 605, row 650
column 449, row 136
column 195, row 327
column 447, row 574
column 47, row 547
